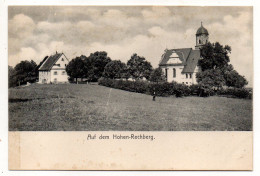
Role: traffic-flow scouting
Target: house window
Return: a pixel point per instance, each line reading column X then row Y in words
column 186, row 82
column 62, row 59
column 186, row 75
column 190, row 75
column 55, row 80
column 65, row 65
column 55, row 73
column 174, row 72
column 63, row 72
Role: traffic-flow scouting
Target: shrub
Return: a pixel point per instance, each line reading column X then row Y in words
column 236, row 92
column 167, row 89
column 132, row 86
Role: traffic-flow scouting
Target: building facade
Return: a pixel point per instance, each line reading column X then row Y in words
column 181, row 65
column 53, row 69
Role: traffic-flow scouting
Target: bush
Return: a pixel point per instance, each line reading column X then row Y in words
column 165, row 89
column 132, row 86
column 236, row 92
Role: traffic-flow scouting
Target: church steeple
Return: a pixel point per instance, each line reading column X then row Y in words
column 202, row 37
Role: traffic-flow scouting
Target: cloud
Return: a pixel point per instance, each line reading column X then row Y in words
column 21, row 26
column 35, row 32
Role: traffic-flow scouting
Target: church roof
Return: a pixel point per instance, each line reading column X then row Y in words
column 50, row 61
column 188, row 56
column 202, row 30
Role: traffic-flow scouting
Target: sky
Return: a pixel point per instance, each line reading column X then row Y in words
column 37, row 31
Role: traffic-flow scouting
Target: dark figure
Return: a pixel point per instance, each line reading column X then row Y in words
column 154, row 95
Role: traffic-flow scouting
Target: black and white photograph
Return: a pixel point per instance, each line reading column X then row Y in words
column 130, row 68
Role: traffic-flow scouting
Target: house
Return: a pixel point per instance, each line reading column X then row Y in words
column 53, row 69
column 181, row 65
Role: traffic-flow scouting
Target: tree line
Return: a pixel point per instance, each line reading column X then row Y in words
column 216, row 70
column 98, row 65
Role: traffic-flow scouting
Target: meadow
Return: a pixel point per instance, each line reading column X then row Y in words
column 85, row 107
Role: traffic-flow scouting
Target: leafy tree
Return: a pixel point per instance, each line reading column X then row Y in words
column 157, row 75
column 115, row 69
column 26, row 71
column 233, row 79
column 76, row 68
column 11, row 77
column 216, row 70
column 214, row 56
column 213, row 78
column 138, row 67
column 95, row 64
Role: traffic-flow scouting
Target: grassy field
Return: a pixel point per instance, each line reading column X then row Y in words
column 84, row 107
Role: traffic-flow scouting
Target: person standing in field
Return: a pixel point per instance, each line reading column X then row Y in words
column 154, row 95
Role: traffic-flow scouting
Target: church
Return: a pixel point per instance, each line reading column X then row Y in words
column 181, row 65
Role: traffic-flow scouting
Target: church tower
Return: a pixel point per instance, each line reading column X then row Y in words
column 202, row 37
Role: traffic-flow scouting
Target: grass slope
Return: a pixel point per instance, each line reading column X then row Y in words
column 72, row 107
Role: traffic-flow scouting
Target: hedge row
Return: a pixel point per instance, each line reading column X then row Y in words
column 236, row 92
column 168, row 89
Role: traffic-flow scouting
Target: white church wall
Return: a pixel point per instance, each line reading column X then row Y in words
column 180, row 77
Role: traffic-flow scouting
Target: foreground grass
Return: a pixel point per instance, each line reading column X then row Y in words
column 74, row 107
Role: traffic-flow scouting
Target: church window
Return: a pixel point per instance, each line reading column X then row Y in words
column 62, row 59
column 186, row 82
column 174, row 72
column 166, row 73
column 186, row 75
column 199, row 41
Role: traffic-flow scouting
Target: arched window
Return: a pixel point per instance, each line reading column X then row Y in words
column 166, row 73
column 199, row 41
column 174, row 72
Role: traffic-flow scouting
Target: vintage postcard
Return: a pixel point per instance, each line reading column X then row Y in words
column 130, row 87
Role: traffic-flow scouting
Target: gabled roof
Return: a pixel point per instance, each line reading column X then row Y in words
column 50, row 61
column 192, row 61
column 188, row 56
column 183, row 54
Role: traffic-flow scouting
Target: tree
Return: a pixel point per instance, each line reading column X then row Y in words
column 95, row 64
column 138, row 67
column 11, row 77
column 214, row 56
column 233, row 79
column 212, row 78
column 115, row 69
column 157, row 75
column 26, row 71
column 76, row 68
column 216, row 70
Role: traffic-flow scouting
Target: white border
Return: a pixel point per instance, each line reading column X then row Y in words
column 4, row 91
